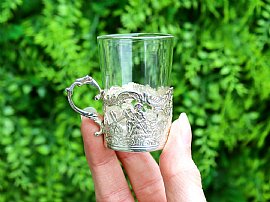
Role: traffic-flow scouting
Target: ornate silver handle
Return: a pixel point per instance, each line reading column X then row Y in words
column 79, row 82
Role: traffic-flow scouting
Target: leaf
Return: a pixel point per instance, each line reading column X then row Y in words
column 43, row 149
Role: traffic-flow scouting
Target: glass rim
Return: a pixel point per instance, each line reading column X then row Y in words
column 135, row 36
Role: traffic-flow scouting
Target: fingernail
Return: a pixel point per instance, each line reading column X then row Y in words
column 89, row 109
column 185, row 129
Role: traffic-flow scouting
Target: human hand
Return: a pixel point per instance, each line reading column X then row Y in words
column 176, row 178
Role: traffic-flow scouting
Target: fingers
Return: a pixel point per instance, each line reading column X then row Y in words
column 144, row 175
column 109, row 180
column 181, row 176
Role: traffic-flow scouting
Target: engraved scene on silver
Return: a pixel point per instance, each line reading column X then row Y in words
column 137, row 118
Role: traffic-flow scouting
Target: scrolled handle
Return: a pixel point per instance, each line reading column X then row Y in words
column 79, row 82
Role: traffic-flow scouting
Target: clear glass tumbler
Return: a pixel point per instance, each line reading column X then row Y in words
column 137, row 97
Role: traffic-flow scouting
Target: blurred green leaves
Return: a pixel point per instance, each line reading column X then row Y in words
column 220, row 76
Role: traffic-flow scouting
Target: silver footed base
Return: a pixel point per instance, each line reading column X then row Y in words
column 135, row 149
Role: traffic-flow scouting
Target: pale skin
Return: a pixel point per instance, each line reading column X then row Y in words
column 175, row 178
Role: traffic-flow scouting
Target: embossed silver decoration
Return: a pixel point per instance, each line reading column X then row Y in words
column 136, row 117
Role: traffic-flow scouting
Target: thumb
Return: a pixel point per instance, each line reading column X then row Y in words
column 181, row 176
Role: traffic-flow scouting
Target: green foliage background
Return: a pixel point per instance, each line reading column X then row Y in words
column 221, row 76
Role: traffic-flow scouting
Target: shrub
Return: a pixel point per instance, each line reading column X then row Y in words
column 221, row 77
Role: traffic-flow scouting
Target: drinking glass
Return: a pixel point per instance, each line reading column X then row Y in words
column 137, row 96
